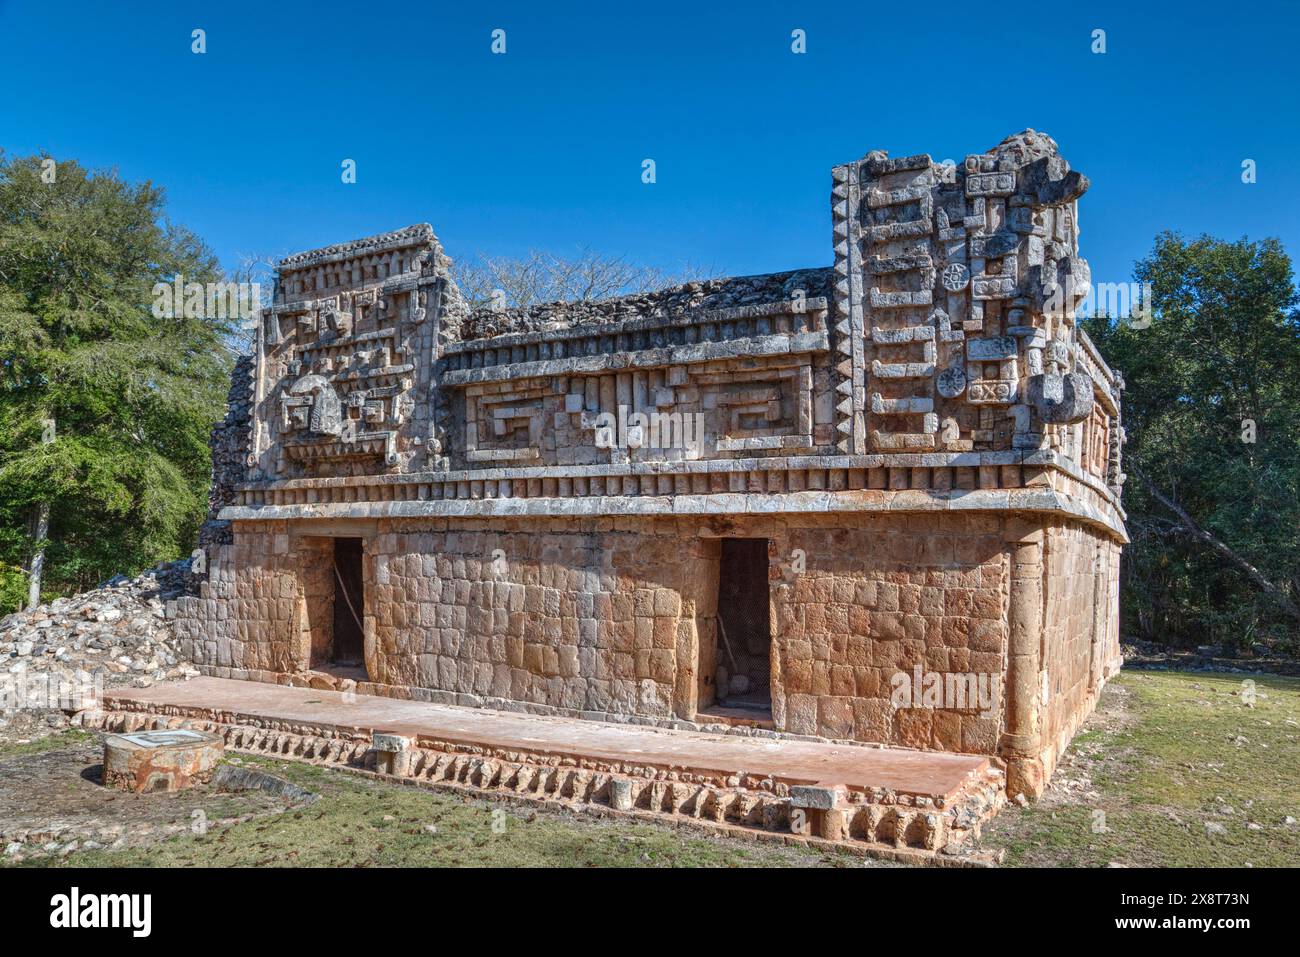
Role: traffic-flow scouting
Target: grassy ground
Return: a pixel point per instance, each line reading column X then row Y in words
column 64, row 739
column 1165, row 755
column 1173, row 770
column 362, row 822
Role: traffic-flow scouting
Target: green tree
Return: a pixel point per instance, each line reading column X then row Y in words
column 1212, row 411
column 122, row 485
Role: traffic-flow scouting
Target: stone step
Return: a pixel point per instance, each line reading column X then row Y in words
column 882, row 800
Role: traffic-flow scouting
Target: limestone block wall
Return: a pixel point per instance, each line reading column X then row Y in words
column 616, row 619
column 1080, row 629
column 230, row 442
column 266, row 604
column 878, row 600
column 608, row 617
column 619, row 617
column 598, row 616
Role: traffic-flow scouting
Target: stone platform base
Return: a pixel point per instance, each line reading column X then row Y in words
column 922, row 807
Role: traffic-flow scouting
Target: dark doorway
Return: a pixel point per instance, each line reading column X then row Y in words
column 349, row 604
column 744, row 651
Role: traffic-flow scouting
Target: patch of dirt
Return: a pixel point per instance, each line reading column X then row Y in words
column 32, row 724
column 1148, row 656
column 53, row 803
column 1095, row 755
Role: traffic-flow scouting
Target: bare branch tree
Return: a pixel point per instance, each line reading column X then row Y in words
column 507, row 282
column 254, row 268
column 1189, row 527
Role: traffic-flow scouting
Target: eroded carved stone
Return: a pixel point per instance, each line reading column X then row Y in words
column 1061, row 399
column 311, row 403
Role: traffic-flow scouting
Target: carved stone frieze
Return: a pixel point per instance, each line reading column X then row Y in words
column 945, row 326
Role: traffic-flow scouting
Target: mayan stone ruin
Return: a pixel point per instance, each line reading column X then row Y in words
column 766, row 505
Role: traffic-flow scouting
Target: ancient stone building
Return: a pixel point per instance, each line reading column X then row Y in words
column 878, row 501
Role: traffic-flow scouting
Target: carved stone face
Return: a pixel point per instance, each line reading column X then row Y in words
column 1061, row 399
column 311, row 402
column 337, row 321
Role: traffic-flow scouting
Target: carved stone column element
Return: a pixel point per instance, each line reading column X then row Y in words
column 1020, row 746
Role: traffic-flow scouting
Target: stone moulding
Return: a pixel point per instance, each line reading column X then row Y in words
column 686, row 328
column 810, row 463
column 991, row 500
column 808, row 342
column 373, row 245
column 1032, row 482
column 877, row 822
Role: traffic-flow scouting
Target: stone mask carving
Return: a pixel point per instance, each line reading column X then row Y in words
column 1061, row 399
column 316, row 393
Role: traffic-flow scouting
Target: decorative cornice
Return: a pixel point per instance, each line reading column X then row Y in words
column 420, row 233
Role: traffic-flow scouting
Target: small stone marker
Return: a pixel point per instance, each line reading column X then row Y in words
column 169, row 760
column 825, row 809
column 817, row 798
column 392, row 752
column 620, row 794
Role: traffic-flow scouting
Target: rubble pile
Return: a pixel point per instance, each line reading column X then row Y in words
column 116, row 635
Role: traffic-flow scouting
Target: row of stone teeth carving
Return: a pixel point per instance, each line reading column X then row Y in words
column 892, row 825
column 902, row 474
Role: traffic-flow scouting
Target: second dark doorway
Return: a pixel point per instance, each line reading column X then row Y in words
column 744, row 650
column 349, row 603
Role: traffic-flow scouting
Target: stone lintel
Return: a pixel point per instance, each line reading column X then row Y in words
column 1040, row 501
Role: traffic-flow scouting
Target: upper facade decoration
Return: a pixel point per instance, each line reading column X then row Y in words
column 346, row 353
column 956, row 286
column 941, row 340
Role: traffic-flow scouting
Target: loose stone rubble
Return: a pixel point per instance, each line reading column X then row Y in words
column 54, row 658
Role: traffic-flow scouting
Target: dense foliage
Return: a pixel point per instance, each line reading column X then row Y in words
column 133, row 397
column 1212, row 411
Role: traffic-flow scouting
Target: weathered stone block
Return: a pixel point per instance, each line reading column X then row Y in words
column 170, row 760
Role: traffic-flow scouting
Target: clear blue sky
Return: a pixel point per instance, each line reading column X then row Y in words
column 542, row 147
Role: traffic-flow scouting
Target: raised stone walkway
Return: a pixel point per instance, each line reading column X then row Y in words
column 932, row 773
column 903, row 799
